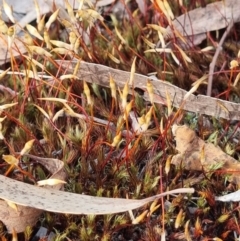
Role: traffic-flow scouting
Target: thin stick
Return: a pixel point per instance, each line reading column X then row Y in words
column 214, row 60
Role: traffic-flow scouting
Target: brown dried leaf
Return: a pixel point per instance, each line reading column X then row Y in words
column 199, row 21
column 191, row 148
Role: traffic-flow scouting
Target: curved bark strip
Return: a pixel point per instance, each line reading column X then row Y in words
column 200, row 104
column 34, row 197
column 30, row 200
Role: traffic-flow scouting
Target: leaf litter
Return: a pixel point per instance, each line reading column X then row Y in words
column 194, row 153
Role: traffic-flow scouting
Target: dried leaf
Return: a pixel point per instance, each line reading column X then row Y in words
column 190, row 147
column 161, row 38
column 30, row 74
column 65, row 202
column 196, row 22
column 169, row 104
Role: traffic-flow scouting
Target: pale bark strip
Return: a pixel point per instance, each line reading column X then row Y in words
column 200, row 104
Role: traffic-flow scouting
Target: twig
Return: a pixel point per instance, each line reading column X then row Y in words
column 214, row 60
